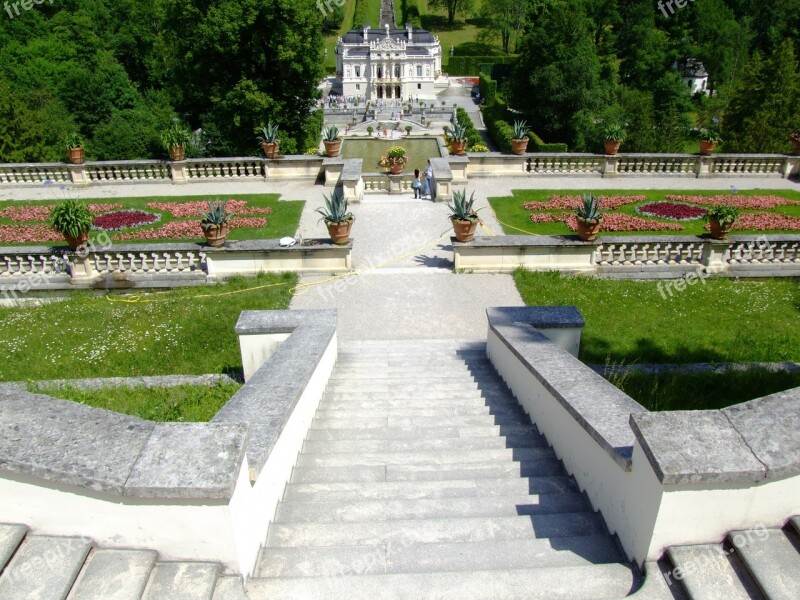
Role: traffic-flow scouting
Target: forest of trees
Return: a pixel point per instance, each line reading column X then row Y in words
column 120, row 71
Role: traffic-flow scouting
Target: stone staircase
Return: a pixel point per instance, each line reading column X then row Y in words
column 422, row 478
column 41, row 567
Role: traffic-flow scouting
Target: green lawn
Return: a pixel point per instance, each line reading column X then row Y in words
column 702, row 391
column 189, row 403
column 721, row 320
column 515, row 219
column 282, row 221
column 186, row 331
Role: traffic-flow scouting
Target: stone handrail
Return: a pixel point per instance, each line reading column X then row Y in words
column 653, row 257
column 658, row 478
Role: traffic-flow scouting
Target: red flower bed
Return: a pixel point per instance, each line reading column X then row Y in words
column 185, row 229
column 766, row 222
column 671, row 211
column 611, row 222
column 124, row 219
column 573, row 202
column 193, row 209
column 754, row 202
column 41, row 212
column 25, row 234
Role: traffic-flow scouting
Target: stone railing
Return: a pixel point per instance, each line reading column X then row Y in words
column 27, row 268
column 123, row 171
column 26, row 174
column 659, row 479
column 205, row 490
column 638, row 257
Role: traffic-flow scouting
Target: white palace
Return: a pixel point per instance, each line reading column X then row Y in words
column 390, row 63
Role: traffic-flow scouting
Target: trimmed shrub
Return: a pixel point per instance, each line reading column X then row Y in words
column 473, row 137
column 488, row 88
column 474, row 65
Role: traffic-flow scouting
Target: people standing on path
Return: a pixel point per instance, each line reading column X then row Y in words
column 429, row 181
column 416, row 184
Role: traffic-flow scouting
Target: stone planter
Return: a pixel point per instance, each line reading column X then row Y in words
column 457, row 147
column 75, row 243
column 464, row 230
column 718, row 232
column 76, row 156
column 611, row 147
column 332, row 148
column 396, row 169
column 177, row 152
column 706, row 147
column 519, row 147
column 216, row 234
column 340, row 232
column 270, row 149
column 587, row 232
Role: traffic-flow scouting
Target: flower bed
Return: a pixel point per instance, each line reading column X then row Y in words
column 671, row 211
column 41, row 212
column 26, row 234
column 611, row 222
column 125, row 219
column 194, row 209
column 745, row 202
column 765, row 222
column 573, row 202
column 185, row 229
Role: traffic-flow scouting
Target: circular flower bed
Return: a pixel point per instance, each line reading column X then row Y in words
column 671, row 211
column 125, row 219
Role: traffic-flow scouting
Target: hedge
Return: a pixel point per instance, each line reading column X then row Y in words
column 474, row 65
column 361, row 14
column 499, row 124
column 410, row 12
column 488, row 88
column 473, row 137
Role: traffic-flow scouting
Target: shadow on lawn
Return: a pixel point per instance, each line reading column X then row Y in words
column 596, row 350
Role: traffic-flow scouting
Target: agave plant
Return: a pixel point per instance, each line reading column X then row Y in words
column 459, row 132
column 331, row 134
column 71, row 218
column 335, row 210
column 215, row 216
column 589, row 212
column 614, row 133
column 267, row 133
column 74, row 140
column 520, row 130
column 462, row 208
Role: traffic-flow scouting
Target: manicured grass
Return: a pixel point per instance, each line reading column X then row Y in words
column 702, row 391
column 283, row 221
column 714, row 320
column 515, row 219
column 418, row 150
column 189, row 403
column 185, row 331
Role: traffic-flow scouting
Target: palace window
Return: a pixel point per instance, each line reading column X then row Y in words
column 419, row 70
column 358, row 71
column 397, row 70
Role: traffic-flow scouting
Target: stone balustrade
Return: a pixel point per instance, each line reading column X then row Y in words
column 640, row 257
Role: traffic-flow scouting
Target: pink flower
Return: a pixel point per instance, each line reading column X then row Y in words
column 26, row 234
column 621, row 222
column 124, row 219
column 753, row 202
column 185, row 229
column 573, row 202
column 41, row 212
column 193, row 209
column 766, row 222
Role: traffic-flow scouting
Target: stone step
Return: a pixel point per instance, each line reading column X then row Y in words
column 460, row 385
column 230, row 587
column 772, row 560
column 182, row 581
column 385, row 402
column 453, row 488
column 11, row 536
column 432, row 531
column 710, row 572
column 479, row 410
column 592, row 582
column 479, row 443
column 113, row 574
column 400, row 374
column 435, row 508
column 428, row 472
column 383, row 422
column 476, row 396
column 434, row 457
column 410, row 433
column 422, row 558
column 43, row 567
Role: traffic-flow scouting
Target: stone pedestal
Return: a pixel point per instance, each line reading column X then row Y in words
column 703, row 167
column 78, row 175
column 714, row 256
column 396, row 183
column 178, row 171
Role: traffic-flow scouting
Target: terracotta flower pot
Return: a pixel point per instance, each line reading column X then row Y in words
column 519, row 147
column 706, row 147
column 340, row 232
column 332, row 148
column 396, row 168
column 611, row 147
column 76, row 156
column 464, row 230
column 718, row 232
column 457, row 147
column 270, row 149
column 75, row 243
column 588, row 231
column 177, row 152
column 216, row 234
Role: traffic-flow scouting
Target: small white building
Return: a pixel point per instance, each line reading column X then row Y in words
column 694, row 74
column 388, row 64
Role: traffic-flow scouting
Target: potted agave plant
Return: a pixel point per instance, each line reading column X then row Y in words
column 708, row 137
column 268, row 138
column 519, row 142
column 175, row 139
column 337, row 217
column 332, row 141
column 75, row 147
column 73, row 220
column 720, row 220
column 216, row 223
column 395, row 160
column 459, row 139
column 464, row 217
column 794, row 136
column 589, row 217
column 613, row 136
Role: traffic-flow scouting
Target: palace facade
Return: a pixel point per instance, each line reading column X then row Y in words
column 389, row 63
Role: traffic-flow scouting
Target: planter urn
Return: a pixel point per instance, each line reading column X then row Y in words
column 587, row 231
column 611, row 147
column 332, row 148
column 519, row 147
column 464, row 230
column 216, row 234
